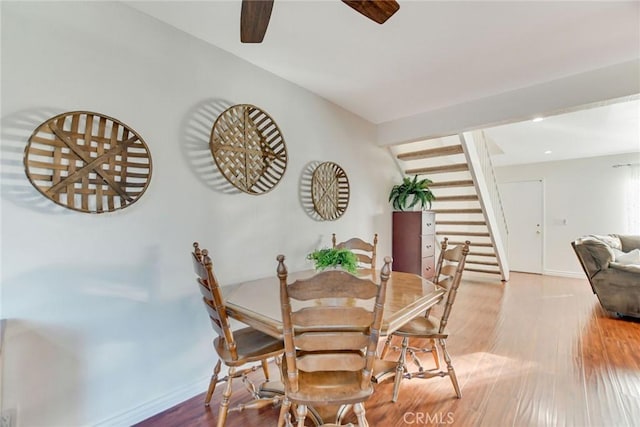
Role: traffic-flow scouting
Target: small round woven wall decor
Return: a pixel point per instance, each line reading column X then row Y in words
column 248, row 148
column 330, row 190
column 88, row 162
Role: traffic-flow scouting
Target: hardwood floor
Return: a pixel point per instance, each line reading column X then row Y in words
column 538, row 351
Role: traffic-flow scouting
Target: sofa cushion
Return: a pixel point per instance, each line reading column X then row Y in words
column 631, row 268
column 629, row 242
column 626, row 258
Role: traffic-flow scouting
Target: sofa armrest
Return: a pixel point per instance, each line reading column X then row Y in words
column 618, row 289
column 593, row 255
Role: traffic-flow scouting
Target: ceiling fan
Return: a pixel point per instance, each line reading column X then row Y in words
column 255, row 15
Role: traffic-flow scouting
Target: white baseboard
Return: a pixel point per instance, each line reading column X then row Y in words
column 572, row 274
column 155, row 406
column 162, row 403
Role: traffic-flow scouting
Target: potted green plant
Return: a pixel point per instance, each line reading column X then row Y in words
column 332, row 257
column 406, row 195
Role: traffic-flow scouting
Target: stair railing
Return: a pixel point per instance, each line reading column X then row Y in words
column 484, row 178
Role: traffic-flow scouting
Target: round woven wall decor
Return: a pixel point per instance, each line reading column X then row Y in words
column 330, row 190
column 88, row 162
column 248, row 149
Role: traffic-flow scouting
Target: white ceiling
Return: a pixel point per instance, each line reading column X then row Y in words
column 429, row 55
column 599, row 131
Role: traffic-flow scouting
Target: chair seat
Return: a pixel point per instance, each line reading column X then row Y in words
column 252, row 345
column 422, row 327
column 328, row 388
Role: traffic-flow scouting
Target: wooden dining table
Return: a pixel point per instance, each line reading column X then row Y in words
column 257, row 302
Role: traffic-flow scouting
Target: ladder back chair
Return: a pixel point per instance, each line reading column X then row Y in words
column 448, row 274
column 234, row 348
column 364, row 251
column 330, row 340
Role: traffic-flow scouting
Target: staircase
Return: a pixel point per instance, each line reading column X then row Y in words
column 467, row 204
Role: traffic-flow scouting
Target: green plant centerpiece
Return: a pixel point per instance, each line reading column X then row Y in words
column 332, row 257
column 411, row 192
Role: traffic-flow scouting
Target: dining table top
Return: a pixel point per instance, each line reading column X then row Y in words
column 257, row 302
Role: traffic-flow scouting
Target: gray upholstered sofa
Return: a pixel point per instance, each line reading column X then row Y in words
column 612, row 265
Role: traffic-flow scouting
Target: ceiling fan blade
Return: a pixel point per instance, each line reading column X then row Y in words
column 376, row 10
column 254, row 20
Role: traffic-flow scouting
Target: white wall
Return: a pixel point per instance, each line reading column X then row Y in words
column 105, row 324
column 588, row 193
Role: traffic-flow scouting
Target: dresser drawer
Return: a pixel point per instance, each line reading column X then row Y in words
column 428, row 223
column 428, row 245
column 428, row 267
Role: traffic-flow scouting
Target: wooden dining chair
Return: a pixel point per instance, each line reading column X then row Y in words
column 364, row 251
column 330, row 339
column 234, row 348
column 448, row 274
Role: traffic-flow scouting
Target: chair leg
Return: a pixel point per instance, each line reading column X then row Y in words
column 284, row 410
column 265, row 369
column 358, row 408
column 385, row 348
column 400, row 367
column 435, row 354
column 342, row 412
column 224, row 405
column 450, row 370
column 301, row 414
column 213, row 383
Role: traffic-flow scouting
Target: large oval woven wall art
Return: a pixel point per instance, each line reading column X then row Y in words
column 248, row 149
column 330, row 191
column 88, row 162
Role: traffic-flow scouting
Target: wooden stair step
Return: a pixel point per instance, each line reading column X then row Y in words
column 448, row 150
column 457, row 183
column 461, row 223
column 456, row 167
column 471, row 261
column 457, row 211
column 463, row 198
column 462, row 233
column 480, row 245
column 482, row 254
column 481, row 270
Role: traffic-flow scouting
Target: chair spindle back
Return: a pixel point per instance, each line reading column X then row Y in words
column 364, row 251
column 338, row 335
column 449, row 275
column 212, row 297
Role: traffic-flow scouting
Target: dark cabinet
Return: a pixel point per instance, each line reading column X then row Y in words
column 413, row 242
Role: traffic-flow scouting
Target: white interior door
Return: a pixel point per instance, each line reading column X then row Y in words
column 522, row 202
